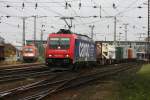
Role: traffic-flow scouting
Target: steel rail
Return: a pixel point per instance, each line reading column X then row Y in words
column 26, row 87
column 24, row 73
column 19, row 65
column 79, row 81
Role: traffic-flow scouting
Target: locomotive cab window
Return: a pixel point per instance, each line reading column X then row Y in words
column 28, row 50
column 59, row 43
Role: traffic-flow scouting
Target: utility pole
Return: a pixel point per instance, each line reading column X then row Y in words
column 34, row 29
column 115, row 29
column 100, row 13
column 42, row 35
column 41, row 50
column 140, row 36
column 92, row 30
column 23, row 33
column 126, row 31
column 119, row 37
column 148, row 40
column 74, row 26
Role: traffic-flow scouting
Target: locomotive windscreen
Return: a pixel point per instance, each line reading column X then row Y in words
column 28, row 50
column 59, row 43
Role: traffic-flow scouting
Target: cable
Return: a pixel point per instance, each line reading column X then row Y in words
column 128, row 7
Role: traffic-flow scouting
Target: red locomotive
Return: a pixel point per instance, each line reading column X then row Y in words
column 30, row 53
column 67, row 48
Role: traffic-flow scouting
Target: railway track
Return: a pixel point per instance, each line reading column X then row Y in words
column 14, row 74
column 18, row 66
column 31, row 71
column 44, row 88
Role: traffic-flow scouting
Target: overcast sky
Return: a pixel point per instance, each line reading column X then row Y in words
column 49, row 13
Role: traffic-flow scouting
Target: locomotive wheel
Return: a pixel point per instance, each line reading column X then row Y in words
column 75, row 67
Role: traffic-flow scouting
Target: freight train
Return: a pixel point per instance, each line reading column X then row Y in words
column 67, row 48
column 30, row 53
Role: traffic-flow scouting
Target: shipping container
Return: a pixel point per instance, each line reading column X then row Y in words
column 125, row 52
column 130, row 53
column 134, row 47
column 119, row 53
column 98, row 50
column 108, row 51
column 111, row 52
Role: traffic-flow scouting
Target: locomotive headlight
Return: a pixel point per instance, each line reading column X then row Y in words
column 50, row 55
column 67, row 56
column 31, row 54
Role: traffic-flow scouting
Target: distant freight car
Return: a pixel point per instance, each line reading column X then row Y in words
column 2, row 53
column 69, row 48
column 119, row 54
column 2, row 56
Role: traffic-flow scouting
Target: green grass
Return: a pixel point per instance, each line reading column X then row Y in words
column 136, row 87
column 41, row 59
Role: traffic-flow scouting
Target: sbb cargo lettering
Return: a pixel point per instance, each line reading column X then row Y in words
column 83, row 49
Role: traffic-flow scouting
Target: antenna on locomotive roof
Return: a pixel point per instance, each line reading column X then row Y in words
column 65, row 19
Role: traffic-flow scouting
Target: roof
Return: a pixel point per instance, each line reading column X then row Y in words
column 126, row 42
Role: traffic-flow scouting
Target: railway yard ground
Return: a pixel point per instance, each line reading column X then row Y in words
column 9, row 63
column 122, row 86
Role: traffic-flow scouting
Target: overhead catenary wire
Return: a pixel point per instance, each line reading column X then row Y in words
column 50, row 15
column 127, row 8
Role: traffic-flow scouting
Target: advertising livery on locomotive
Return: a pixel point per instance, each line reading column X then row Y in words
column 69, row 48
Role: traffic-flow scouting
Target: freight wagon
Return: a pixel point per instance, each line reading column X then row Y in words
column 2, row 53
column 107, row 53
column 2, row 56
column 67, row 48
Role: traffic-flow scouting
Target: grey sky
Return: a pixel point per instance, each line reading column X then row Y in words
column 126, row 11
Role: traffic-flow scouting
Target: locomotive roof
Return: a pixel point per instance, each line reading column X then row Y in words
column 79, row 36
column 84, row 37
column 29, row 46
column 64, row 31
